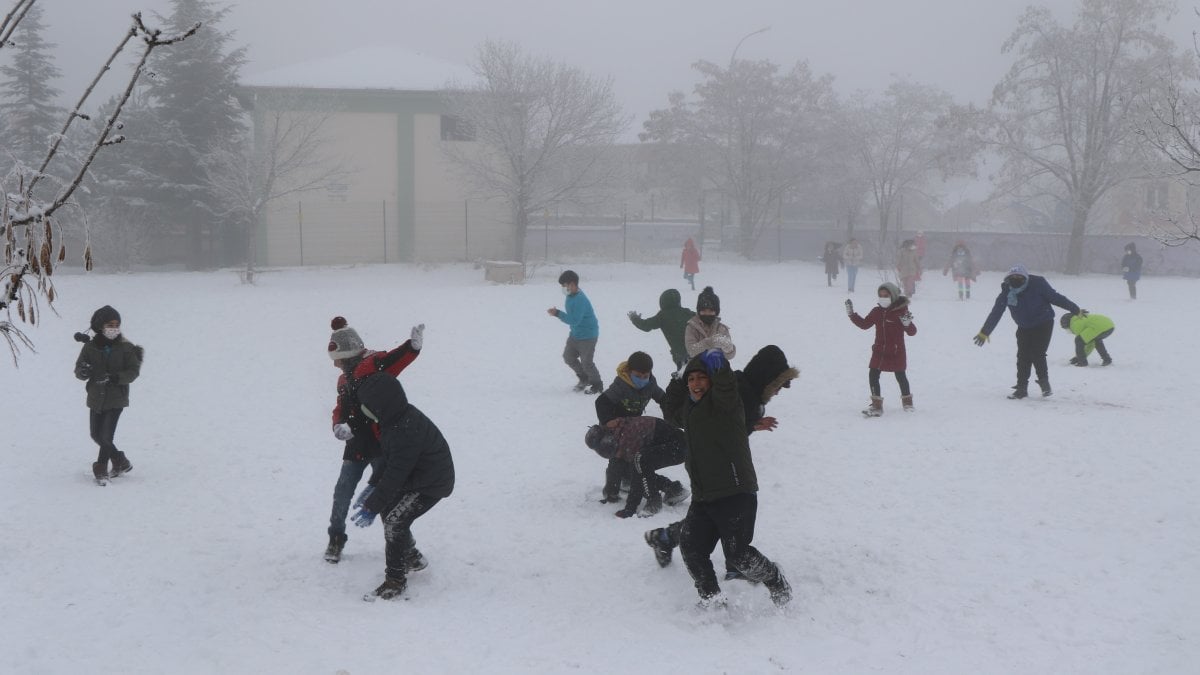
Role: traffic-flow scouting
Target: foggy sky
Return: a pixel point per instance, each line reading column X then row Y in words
column 647, row 46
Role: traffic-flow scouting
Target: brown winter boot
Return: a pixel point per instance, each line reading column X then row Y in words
column 100, row 472
column 907, row 401
column 120, row 465
column 876, row 407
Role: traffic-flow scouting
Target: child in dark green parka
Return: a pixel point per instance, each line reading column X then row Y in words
column 108, row 363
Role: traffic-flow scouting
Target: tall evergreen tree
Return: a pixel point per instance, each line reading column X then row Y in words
column 193, row 92
column 28, row 114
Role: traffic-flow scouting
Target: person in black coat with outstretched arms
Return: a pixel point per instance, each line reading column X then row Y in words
column 1030, row 301
column 418, row 472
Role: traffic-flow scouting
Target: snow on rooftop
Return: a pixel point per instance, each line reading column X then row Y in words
column 371, row 67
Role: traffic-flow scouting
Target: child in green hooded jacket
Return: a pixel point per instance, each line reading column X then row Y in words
column 1090, row 332
column 671, row 319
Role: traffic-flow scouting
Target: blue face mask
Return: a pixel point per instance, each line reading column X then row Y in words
column 639, row 382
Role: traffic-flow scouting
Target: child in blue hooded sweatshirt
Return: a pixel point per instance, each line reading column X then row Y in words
column 1030, row 301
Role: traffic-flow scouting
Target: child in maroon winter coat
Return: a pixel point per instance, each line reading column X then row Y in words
column 892, row 321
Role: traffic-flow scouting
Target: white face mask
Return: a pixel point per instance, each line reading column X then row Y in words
column 885, row 302
column 566, row 291
column 112, row 333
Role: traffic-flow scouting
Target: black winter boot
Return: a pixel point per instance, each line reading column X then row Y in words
column 1020, row 390
column 1045, row 385
column 333, row 552
column 100, row 472
column 391, row 588
column 414, row 561
column 780, row 589
column 120, row 465
column 660, row 541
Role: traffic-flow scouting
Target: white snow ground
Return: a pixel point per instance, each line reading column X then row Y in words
column 976, row 534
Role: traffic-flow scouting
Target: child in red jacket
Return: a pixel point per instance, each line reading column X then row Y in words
column 892, row 321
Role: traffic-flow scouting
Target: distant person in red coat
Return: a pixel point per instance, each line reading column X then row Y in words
column 892, row 321
column 690, row 262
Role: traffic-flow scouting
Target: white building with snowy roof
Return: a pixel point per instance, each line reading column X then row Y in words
column 386, row 123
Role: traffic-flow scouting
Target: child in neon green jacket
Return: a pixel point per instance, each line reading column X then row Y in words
column 1090, row 332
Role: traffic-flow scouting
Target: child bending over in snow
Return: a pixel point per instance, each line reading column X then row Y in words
column 647, row 444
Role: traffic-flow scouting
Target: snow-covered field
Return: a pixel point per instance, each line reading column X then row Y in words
column 975, row 535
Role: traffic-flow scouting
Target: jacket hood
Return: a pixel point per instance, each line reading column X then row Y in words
column 768, row 372
column 892, row 290
column 103, row 316
column 670, row 299
column 383, row 396
column 690, row 243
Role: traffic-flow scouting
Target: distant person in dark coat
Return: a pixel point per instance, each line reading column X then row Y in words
column 417, row 473
column 1030, row 301
column 1131, row 269
column 671, row 319
column 833, row 261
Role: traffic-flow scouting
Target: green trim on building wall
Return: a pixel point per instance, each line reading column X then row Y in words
column 405, row 105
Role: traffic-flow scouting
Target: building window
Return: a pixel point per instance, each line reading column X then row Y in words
column 456, row 129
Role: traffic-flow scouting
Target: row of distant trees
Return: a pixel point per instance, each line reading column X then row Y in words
column 1084, row 107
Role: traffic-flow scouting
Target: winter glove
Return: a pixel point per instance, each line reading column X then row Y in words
column 980, row 338
column 1082, row 312
column 85, row 370
column 363, row 518
column 713, row 360
column 103, row 379
column 342, row 432
column 362, row 496
column 906, row 319
column 1123, row 269
column 849, row 308
column 633, row 316
column 418, row 336
column 625, row 513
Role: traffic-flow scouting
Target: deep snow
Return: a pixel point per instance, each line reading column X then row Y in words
column 976, row 534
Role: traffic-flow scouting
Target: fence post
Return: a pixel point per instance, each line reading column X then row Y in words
column 300, row 223
column 385, row 231
column 624, row 233
column 467, row 230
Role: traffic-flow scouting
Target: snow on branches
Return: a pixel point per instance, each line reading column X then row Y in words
column 29, row 230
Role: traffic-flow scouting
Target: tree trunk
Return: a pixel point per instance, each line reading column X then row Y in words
column 883, row 229
column 521, row 223
column 1075, row 245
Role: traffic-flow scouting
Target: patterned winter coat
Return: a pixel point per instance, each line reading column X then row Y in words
column 887, row 353
column 108, row 366
column 852, row 254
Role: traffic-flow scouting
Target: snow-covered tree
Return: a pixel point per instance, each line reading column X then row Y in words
column 543, row 131
column 1066, row 108
column 904, row 138
column 751, row 128
column 193, row 91
column 288, row 155
column 28, row 112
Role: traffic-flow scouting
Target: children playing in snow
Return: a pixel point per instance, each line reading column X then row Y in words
column 963, row 268
column 580, row 351
column 671, row 319
column 646, row 444
column 892, row 321
column 108, row 363
column 1090, row 331
column 360, row 434
column 631, row 390
column 418, row 472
